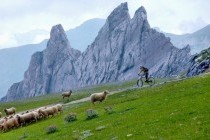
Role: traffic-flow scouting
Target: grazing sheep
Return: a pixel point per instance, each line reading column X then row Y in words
column 46, row 112
column 2, row 120
column 10, row 111
column 44, row 107
column 98, row 96
column 59, row 107
column 26, row 118
column 36, row 115
column 42, row 113
column 9, row 123
column 66, row 94
column 0, row 114
column 55, row 109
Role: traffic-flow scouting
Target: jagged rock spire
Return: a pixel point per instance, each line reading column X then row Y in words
column 118, row 15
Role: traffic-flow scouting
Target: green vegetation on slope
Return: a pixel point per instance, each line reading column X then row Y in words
column 35, row 102
column 175, row 110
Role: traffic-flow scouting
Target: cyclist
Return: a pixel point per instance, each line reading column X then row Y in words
column 145, row 72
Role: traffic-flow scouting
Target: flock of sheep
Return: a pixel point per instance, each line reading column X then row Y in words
column 12, row 120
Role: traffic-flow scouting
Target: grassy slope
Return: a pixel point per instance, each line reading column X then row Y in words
column 49, row 99
column 176, row 110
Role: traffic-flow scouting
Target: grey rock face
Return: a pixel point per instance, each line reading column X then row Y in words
column 50, row 71
column 79, row 37
column 122, row 45
column 199, row 63
column 119, row 50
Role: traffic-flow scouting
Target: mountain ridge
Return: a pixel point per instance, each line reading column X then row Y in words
column 198, row 40
column 122, row 44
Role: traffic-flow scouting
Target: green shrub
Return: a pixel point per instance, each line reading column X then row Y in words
column 109, row 110
column 91, row 114
column 70, row 117
column 51, row 129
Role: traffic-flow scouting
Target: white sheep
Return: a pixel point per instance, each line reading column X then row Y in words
column 26, row 118
column 9, row 123
column 2, row 120
column 59, row 107
column 36, row 115
column 66, row 94
column 98, row 96
column 55, row 109
column 47, row 112
column 10, row 111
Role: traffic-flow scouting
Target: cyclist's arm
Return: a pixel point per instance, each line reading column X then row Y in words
column 141, row 72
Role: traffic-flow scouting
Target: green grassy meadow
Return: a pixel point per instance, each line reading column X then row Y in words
column 174, row 110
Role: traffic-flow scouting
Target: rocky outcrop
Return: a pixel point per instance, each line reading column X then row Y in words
column 122, row 45
column 199, row 63
column 50, row 71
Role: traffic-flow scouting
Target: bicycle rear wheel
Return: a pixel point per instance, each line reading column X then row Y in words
column 151, row 81
column 139, row 82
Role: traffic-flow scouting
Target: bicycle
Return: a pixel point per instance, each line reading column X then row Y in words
column 142, row 80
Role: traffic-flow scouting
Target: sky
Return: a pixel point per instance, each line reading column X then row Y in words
column 29, row 21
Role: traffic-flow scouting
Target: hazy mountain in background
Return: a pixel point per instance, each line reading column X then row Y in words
column 197, row 41
column 14, row 61
column 31, row 37
column 83, row 35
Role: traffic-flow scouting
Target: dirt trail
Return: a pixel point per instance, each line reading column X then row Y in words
column 88, row 98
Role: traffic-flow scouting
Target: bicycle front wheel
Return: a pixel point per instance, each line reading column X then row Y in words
column 151, row 81
column 139, row 83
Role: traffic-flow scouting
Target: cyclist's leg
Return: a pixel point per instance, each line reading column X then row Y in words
column 146, row 76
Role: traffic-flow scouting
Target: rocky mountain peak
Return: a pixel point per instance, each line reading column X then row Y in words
column 57, row 43
column 57, row 32
column 140, row 17
column 58, row 36
column 141, row 12
column 118, row 15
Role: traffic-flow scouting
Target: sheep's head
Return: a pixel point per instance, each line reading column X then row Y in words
column 39, row 111
column 18, row 118
column 70, row 91
column 5, row 110
column 106, row 92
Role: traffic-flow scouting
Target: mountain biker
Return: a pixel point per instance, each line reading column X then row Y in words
column 145, row 72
